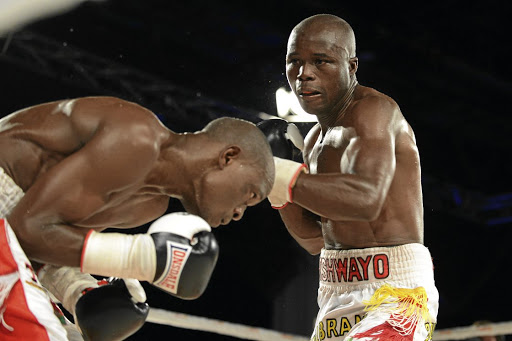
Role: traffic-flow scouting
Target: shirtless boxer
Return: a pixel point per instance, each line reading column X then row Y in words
column 358, row 199
column 70, row 169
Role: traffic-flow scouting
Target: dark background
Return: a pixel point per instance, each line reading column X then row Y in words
column 446, row 63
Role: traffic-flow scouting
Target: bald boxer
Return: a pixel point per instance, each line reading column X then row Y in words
column 357, row 200
column 72, row 168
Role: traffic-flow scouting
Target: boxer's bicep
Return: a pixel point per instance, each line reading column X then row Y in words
column 371, row 160
column 370, row 156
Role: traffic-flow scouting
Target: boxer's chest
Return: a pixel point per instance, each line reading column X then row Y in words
column 329, row 154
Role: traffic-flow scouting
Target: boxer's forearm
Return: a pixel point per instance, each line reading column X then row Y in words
column 304, row 227
column 56, row 244
column 340, row 197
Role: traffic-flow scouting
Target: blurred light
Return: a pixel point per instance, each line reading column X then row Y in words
column 14, row 14
column 288, row 107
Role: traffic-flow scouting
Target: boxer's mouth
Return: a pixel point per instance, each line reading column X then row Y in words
column 308, row 93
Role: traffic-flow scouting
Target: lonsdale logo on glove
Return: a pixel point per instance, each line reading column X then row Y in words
column 177, row 255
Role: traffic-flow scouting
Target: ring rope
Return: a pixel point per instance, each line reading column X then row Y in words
column 180, row 320
column 240, row 331
column 461, row 333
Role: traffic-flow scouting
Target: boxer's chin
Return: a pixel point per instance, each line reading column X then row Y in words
column 193, row 209
column 214, row 220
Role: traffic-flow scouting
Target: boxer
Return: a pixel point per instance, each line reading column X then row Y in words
column 357, row 199
column 72, row 168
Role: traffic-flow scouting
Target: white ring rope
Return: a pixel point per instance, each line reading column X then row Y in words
column 461, row 333
column 240, row 331
column 180, row 320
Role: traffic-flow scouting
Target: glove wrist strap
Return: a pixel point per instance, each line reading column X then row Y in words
column 66, row 284
column 119, row 255
column 302, row 169
column 293, row 180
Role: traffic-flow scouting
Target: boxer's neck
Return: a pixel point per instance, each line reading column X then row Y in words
column 184, row 158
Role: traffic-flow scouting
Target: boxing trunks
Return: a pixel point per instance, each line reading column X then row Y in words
column 26, row 311
column 382, row 293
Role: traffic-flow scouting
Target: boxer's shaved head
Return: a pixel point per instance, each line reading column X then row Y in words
column 343, row 32
column 250, row 139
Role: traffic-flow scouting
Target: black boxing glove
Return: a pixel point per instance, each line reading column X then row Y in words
column 282, row 137
column 185, row 257
column 111, row 311
column 178, row 254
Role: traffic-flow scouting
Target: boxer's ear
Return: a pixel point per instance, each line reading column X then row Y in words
column 353, row 65
column 229, row 155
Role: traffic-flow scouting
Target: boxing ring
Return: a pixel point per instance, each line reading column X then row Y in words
column 17, row 13
column 179, row 320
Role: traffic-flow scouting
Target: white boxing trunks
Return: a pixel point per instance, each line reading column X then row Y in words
column 382, row 293
column 26, row 312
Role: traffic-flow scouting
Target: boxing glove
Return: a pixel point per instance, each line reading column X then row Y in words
column 178, row 254
column 110, row 309
column 282, row 136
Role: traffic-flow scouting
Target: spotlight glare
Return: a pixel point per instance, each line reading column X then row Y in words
column 288, row 107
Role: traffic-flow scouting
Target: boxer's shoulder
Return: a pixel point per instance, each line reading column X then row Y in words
column 117, row 120
column 370, row 102
column 112, row 110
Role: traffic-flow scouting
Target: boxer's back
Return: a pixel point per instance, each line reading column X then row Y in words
column 34, row 139
column 89, row 131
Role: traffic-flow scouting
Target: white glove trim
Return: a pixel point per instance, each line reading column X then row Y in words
column 304, row 169
column 287, row 172
column 293, row 134
column 135, row 289
column 180, row 223
column 66, row 284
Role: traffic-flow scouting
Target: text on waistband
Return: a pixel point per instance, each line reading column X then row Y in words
column 354, row 268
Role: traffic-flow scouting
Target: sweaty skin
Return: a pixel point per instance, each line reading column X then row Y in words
column 101, row 162
column 364, row 187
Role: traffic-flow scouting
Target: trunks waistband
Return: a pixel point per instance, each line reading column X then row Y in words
column 349, row 268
